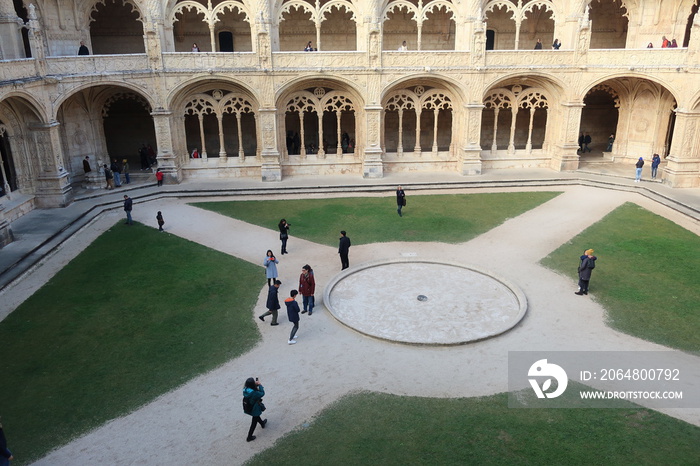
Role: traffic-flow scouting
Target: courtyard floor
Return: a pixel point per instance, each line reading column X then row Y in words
column 202, row 422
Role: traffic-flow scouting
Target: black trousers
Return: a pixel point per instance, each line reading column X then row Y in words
column 253, row 424
column 344, row 260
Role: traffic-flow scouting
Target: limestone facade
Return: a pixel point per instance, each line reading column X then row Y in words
column 469, row 93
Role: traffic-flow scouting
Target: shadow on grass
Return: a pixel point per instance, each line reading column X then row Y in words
column 133, row 316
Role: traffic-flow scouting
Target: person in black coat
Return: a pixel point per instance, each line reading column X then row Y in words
column 83, row 50
column 344, row 250
column 273, row 303
column 284, row 234
column 400, row 199
column 585, row 269
column 5, row 453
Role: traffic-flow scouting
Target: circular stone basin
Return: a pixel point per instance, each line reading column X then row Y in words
column 384, row 300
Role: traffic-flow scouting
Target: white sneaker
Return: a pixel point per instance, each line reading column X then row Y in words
column 291, row 342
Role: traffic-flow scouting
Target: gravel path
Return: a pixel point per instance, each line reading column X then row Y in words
column 202, row 422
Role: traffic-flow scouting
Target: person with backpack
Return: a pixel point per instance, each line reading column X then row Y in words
column 585, row 269
column 293, row 315
column 253, row 392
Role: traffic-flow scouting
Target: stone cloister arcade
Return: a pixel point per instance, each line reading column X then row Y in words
column 468, row 95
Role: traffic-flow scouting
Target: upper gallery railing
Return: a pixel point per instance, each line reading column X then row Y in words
column 639, row 59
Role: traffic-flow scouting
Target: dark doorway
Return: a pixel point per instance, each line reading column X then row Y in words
column 225, row 41
column 689, row 26
column 669, row 133
column 8, row 165
column 22, row 13
column 490, row 39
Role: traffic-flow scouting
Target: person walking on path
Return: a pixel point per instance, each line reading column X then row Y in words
column 293, row 315
column 585, row 269
column 253, row 393
column 284, row 234
column 109, row 177
column 159, row 177
column 270, row 267
column 655, row 161
column 86, row 164
column 128, row 203
column 116, row 170
column 344, row 250
column 161, row 222
column 307, row 287
column 125, row 170
column 5, row 453
column 639, row 165
column 400, row 200
column 273, row 303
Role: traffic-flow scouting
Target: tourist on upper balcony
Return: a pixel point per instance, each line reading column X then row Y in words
column 403, row 47
column 650, row 45
column 674, row 44
column 83, row 50
column 664, row 42
column 538, row 45
column 309, row 47
column 195, row 47
column 556, row 44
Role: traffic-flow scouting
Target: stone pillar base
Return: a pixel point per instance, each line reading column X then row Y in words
column 566, row 159
column 53, row 191
column 271, row 171
column 471, row 162
column 681, row 173
column 372, row 169
column 93, row 180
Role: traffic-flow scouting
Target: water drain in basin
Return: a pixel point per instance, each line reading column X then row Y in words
column 422, row 297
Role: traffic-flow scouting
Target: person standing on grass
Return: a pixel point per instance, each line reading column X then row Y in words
column 284, row 234
column 655, row 161
column 293, row 315
column 400, row 200
column 307, row 286
column 585, row 269
column 161, row 222
column 159, row 177
column 344, row 250
column 273, row 303
column 270, row 267
column 128, row 203
column 253, row 392
column 639, row 165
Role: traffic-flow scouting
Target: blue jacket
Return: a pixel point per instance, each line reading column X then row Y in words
column 254, row 396
column 292, row 309
column 270, row 267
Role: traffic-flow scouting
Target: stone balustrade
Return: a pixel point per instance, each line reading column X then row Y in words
column 649, row 59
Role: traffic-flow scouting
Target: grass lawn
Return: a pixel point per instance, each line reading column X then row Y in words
column 646, row 275
column 373, row 428
column 448, row 218
column 133, row 316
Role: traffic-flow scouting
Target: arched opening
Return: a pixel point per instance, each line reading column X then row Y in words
column 438, row 32
column 599, row 118
column 400, row 24
column 320, row 121
column 501, row 18
column 609, row 24
column 128, row 126
column 225, row 41
column 296, row 26
column 8, row 173
column 514, row 119
column 21, row 12
column 190, row 29
column 219, row 123
column 338, row 29
column 116, row 28
column 417, row 120
column 689, row 24
column 537, row 24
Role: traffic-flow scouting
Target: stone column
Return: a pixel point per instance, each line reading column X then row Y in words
column 565, row 156
column 11, row 45
column 166, row 156
column 372, row 166
column 471, row 146
column 53, row 184
column 152, row 35
column 683, row 169
column 6, row 236
column 271, row 170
